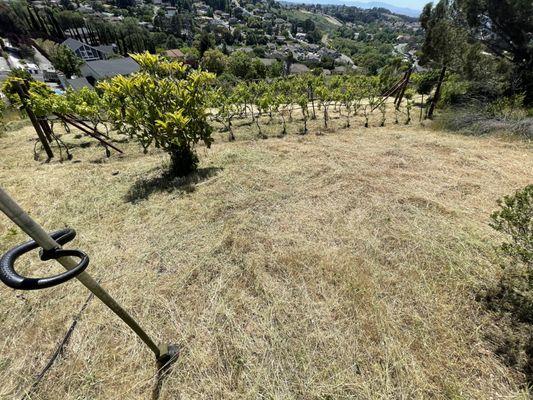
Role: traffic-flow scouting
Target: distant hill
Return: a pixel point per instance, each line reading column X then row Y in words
column 366, row 5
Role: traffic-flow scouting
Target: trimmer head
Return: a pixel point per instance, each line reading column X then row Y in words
column 168, row 354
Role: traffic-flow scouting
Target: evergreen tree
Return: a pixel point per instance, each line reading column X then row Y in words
column 505, row 27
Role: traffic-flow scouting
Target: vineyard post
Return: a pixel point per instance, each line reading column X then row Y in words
column 46, row 129
column 398, row 90
column 404, row 86
column 24, row 100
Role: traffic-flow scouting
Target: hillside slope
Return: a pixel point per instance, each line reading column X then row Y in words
column 337, row 266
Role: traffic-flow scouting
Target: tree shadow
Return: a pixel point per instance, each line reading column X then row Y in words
column 144, row 187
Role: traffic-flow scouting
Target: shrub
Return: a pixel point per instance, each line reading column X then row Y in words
column 507, row 107
column 515, row 219
column 164, row 105
column 454, row 91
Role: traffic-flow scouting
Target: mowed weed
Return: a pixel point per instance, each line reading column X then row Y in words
column 345, row 265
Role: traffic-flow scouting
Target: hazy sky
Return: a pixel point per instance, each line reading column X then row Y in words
column 418, row 4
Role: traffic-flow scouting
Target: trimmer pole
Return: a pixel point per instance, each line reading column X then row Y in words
column 13, row 211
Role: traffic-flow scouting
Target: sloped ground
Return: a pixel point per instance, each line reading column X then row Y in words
column 338, row 266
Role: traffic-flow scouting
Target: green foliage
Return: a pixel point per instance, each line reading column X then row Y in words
column 84, row 103
column 171, row 42
column 507, row 107
column 426, row 81
column 9, row 86
column 515, row 218
column 276, row 70
column 243, row 66
column 446, row 38
column 505, row 30
column 454, row 90
column 65, row 60
column 162, row 105
column 214, row 61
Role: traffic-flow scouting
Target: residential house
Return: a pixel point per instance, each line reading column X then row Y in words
column 343, row 59
column 267, row 62
column 101, row 69
column 175, row 53
column 39, row 67
column 297, row 69
column 87, row 52
column 47, row 72
column 77, row 83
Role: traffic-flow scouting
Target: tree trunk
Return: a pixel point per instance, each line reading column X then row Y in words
column 437, row 93
column 46, row 129
column 312, row 98
column 183, row 160
column 231, row 136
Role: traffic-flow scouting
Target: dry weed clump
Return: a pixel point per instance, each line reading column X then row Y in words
column 337, row 266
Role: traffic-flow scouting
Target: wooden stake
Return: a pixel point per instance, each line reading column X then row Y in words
column 87, row 131
column 404, row 86
column 23, row 98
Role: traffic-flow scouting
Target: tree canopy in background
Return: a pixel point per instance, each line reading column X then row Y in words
column 506, row 29
column 470, row 36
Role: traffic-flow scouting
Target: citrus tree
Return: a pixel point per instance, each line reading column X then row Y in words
column 164, row 105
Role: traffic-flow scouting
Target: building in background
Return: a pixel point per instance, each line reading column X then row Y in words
column 87, row 52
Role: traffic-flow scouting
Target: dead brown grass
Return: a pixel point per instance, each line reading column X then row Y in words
column 337, row 266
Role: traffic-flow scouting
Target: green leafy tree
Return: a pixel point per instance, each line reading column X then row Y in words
column 125, row 3
column 226, row 105
column 171, row 42
column 17, row 76
column 205, row 43
column 505, row 27
column 445, row 41
column 65, row 60
column 165, row 105
column 275, row 70
column 214, row 61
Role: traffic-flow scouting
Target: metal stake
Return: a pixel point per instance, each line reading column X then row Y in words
column 13, row 211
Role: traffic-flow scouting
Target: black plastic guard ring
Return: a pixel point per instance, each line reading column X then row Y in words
column 11, row 278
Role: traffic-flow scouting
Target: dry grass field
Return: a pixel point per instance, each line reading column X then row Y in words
column 346, row 265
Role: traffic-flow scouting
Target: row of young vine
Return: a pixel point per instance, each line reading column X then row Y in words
column 311, row 97
column 173, row 107
column 166, row 99
column 302, row 97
